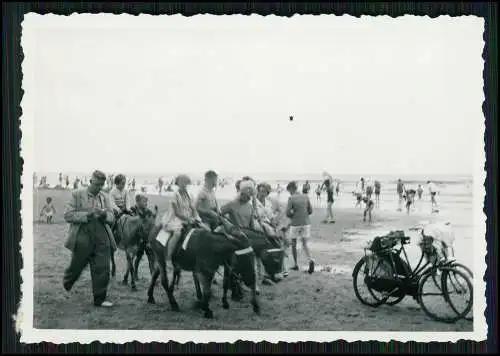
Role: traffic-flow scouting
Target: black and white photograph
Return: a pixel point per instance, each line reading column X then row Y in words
column 262, row 178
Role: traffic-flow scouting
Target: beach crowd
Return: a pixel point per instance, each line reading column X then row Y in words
column 98, row 203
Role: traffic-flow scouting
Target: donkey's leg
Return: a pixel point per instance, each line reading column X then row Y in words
column 151, row 289
column 164, row 280
column 127, row 271
column 225, row 287
column 176, row 276
column 199, row 295
column 255, row 301
column 206, row 283
column 138, row 257
column 113, row 264
column 169, row 289
column 130, row 267
column 236, row 289
column 151, row 258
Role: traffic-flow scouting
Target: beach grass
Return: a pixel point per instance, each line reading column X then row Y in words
column 322, row 301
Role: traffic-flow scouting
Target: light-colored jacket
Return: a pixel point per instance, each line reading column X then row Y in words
column 115, row 194
column 76, row 215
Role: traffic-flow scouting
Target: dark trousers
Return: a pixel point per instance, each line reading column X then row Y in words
column 97, row 253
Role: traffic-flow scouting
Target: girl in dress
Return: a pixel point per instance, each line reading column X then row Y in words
column 182, row 212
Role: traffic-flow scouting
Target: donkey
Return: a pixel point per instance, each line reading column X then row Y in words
column 131, row 234
column 267, row 249
column 202, row 252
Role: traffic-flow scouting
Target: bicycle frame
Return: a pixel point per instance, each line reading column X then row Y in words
column 410, row 277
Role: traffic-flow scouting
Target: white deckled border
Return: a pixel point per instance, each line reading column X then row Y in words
column 24, row 318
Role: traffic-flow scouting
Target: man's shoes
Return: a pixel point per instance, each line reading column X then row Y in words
column 295, row 268
column 105, row 304
column 66, row 293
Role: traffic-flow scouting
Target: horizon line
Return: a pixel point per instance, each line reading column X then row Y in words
column 319, row 173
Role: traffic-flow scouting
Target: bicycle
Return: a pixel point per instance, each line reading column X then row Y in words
column 390, row 279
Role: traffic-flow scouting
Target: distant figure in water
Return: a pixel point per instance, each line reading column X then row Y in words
column 420, row 190
column 48, row 211
column 75, row 183
column 60, row 179
column 306, row 188
column 368, row 208
column 133, row 183
column 359, row 197
column 328, row 184
column 369, row 190
column 35, row 179
column 160, row 185
column 400, row 190
column 278, row 191
column 67, row 182
column 109, row 181
column 337, row 188
column 410, row 199
column 318, row 193
column 433, row 193
column 361, row 185
column 377, row 192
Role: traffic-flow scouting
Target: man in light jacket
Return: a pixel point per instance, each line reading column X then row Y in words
column 90, row 239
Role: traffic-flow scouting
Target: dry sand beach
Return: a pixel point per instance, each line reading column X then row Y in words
column 324, row 300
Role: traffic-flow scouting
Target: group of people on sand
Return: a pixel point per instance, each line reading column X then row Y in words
column 92, row 214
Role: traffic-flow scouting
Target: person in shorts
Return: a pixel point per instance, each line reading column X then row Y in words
column 400, row 188
column 359, row 197
column 298, row 211
column 410, row 199
column 377, row 187
column 369, row 190
column 420, row 191
column 368, row 209
column 433, row 193
column 318, row 193
column 328, row 184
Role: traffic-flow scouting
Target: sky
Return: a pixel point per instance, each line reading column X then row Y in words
column 187, row 94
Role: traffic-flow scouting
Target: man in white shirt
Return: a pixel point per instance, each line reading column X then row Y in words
column 432, row 191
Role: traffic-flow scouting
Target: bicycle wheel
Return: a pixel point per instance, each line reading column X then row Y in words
column 384, row 267
column 381, row 267
column 454, row 286
column 440, row 297
column 402, row 268
column 363, row 267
